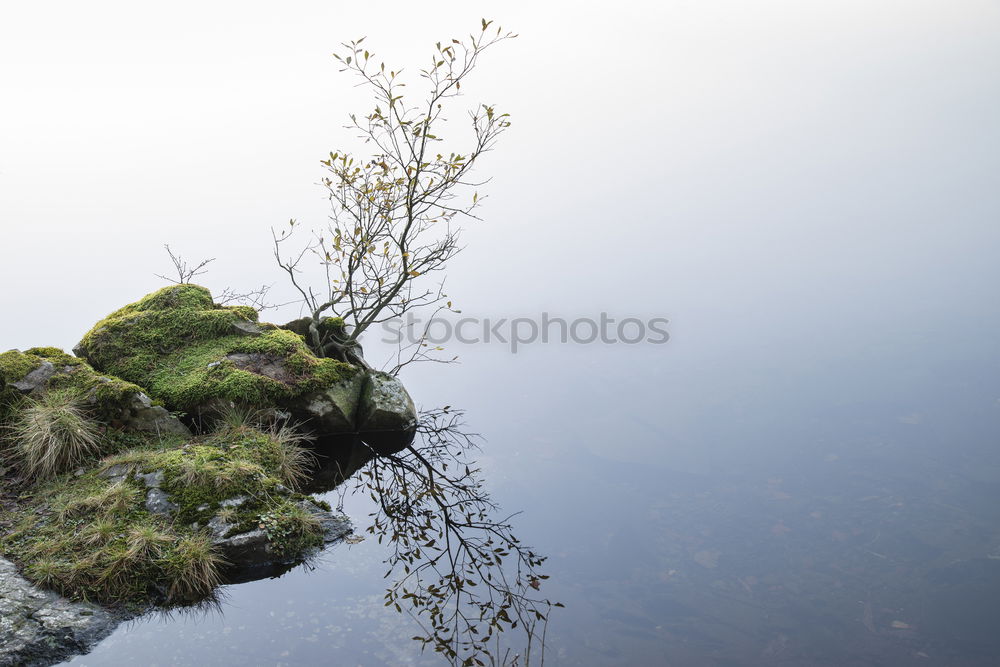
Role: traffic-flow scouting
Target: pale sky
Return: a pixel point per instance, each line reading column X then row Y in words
column 731, row 165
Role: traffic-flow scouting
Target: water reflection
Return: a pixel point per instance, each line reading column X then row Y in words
column 454, row 559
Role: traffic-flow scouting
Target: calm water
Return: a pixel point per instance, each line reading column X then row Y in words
column 819, row 501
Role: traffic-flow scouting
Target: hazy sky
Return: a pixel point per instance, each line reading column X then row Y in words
column 756, row 171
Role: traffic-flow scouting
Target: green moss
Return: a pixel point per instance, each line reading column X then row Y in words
column 173, row 297
column 177, row 344
column 198, row 478
column 14, row 365
column 55, row 355
column 248, row 313
column 201, row 371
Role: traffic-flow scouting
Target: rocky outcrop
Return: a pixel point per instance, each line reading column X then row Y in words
column 193, row 355
column 38, row 627
column 172, row 504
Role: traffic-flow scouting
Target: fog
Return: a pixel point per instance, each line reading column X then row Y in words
column 808, row 192
column 713, row 161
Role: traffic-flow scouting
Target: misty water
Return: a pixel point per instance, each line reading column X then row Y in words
column 807, row 473
column 827, row 500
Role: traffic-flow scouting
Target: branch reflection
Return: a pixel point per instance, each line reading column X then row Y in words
column 455, row 562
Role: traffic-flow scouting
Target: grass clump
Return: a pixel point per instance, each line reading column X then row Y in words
column 283, row 447
column 91, row 539
column 292, row 461
column 53, row 434
column 233, row 461
column 194, row 567
column 90, row 536
column 106, row 500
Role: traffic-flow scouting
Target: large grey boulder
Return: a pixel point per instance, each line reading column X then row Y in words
column 38, row 627
column 193, row 356
column 385, row 405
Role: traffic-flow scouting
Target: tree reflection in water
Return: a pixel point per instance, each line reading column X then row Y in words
column 457, row 566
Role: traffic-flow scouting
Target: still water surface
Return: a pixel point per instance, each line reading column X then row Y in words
column 814, row 502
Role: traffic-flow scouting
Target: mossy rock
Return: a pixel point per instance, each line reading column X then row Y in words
column 113, row 401
column 195, row 356
column 191, row 353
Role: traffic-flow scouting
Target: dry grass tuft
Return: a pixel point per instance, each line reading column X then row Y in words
column 195, row 569
column 53, row 434
column 117, row 498
column 236, row 416
column 147, row 542
column 294, row 461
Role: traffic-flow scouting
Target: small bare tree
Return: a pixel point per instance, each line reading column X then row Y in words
column 185, row 272
column 396, row 214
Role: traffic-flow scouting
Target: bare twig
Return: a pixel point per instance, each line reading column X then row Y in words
column 185, row 273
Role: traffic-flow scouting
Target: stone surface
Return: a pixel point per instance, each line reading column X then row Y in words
column 387, row 418
column 335, row 526
column 36, row 379
column 141, row 415
column 335, row 407
column 385, row 405
column 38, row 627
column 157, row 500
column 268, row 365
